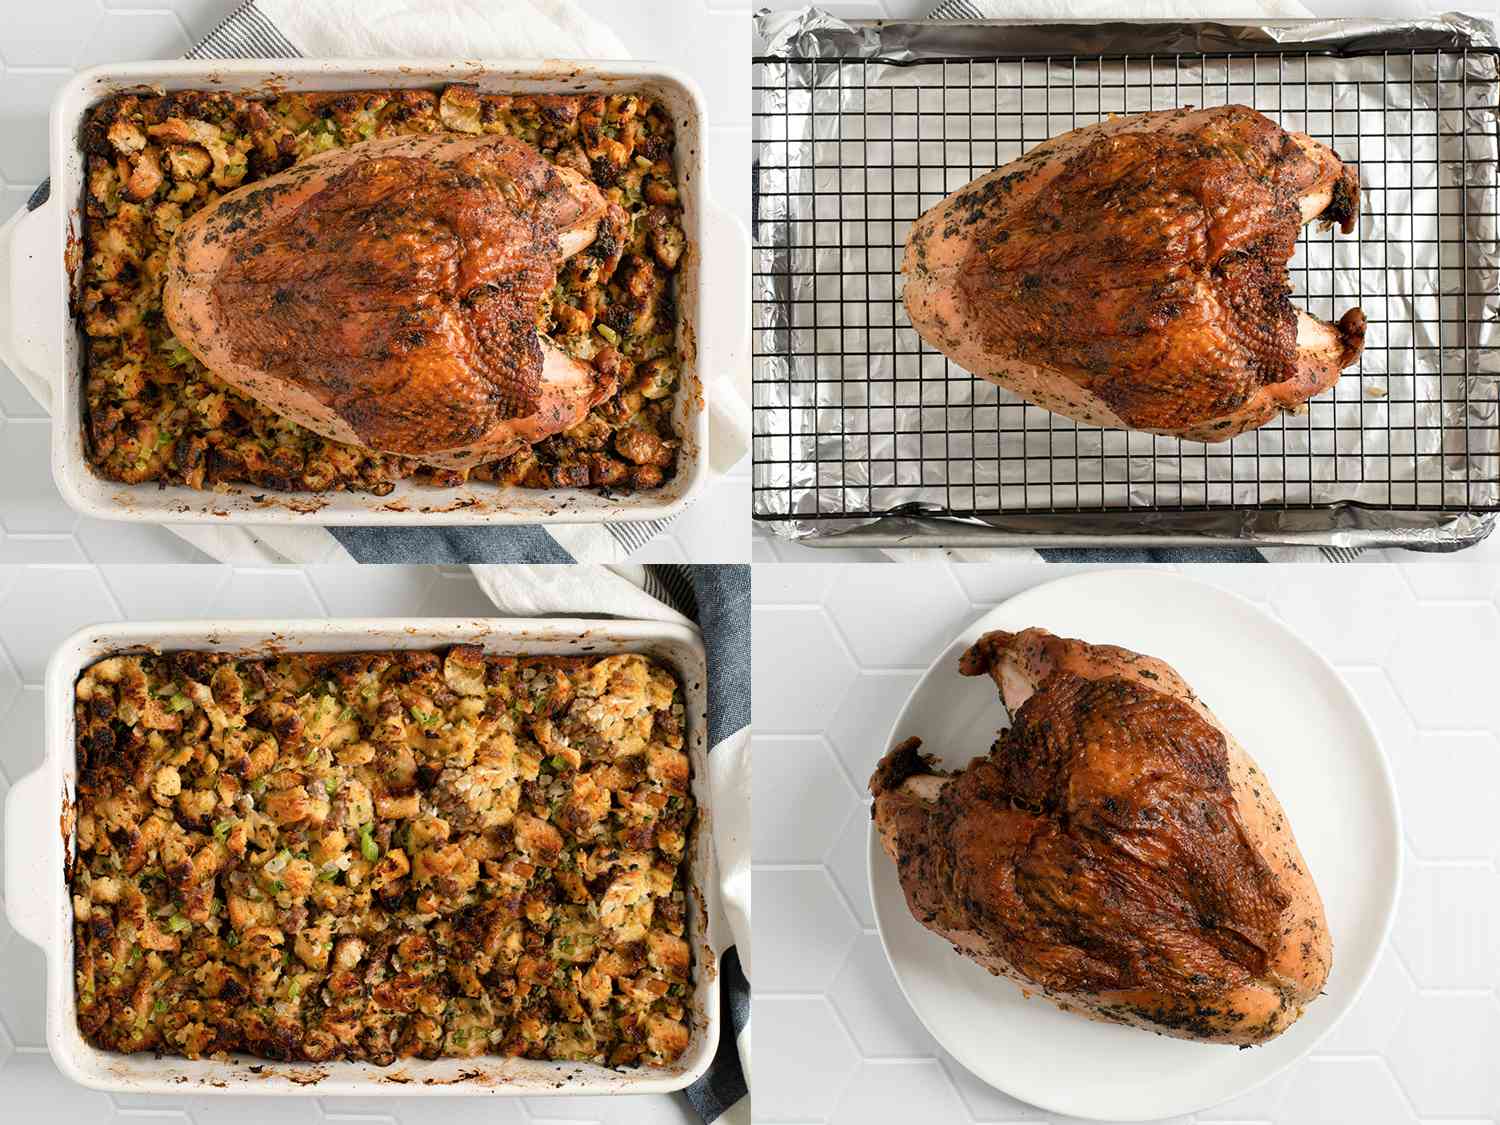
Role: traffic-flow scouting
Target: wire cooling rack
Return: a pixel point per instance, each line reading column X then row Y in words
column 857, row 418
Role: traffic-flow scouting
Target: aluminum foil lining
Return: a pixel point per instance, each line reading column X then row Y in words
column 864, row 434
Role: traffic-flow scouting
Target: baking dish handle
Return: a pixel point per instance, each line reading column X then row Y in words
column 29, row 259
column 725, row 320
column 31, row 828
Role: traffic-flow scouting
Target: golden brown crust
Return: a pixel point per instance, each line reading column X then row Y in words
column 380, row 855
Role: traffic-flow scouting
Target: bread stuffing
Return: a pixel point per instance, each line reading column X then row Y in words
column 376, row 856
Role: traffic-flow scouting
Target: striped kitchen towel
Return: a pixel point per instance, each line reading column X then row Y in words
column 472, row 29
column 716, row 600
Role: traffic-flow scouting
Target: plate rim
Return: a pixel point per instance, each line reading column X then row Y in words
column 1384, row 773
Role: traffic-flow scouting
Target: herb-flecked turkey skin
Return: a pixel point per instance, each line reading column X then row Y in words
column 155, row 412
column 1132, row 274
column 1117, row 850
column 386, row 295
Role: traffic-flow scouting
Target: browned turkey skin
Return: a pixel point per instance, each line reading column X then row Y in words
column 386, row 295
column 1133, row 274
column 1116, row 850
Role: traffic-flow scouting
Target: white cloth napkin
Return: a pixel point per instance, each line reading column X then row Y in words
column 470, row 29
column 515, row 29
column 634, row 592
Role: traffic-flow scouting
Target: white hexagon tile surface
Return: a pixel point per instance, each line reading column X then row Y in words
column 837, row 651
column 43, row 42
column 39, row 606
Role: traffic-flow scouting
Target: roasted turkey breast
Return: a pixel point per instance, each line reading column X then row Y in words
column 386, row 295
column 1132, row 274
column 1117, row 850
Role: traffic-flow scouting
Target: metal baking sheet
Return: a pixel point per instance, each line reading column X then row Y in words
column 865, row 435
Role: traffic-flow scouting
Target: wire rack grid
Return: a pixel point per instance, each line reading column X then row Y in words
column 856, row 417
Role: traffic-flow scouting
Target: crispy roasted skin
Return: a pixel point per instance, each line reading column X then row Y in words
column 1132, row 273
column 1115, row 850
column 382, row 855
column 387, row 295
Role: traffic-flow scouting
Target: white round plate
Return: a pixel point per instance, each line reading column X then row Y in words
column 1294, row 715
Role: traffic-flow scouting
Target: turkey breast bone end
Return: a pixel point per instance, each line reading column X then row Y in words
column 386, row 295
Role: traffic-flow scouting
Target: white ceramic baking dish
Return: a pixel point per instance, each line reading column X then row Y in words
column 39, row 338
column 38, row 839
